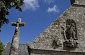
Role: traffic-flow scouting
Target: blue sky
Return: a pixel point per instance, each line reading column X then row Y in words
column 37, row 14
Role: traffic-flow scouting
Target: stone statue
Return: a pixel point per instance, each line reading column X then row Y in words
column 15, row 40
column 70, row 34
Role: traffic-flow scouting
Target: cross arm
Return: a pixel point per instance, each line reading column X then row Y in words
column 20, row 24
column 14, row 23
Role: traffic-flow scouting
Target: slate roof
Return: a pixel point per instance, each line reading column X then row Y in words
column 23, row 50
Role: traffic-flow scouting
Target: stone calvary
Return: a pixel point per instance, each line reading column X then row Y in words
column 15, row 40
column 65, row 36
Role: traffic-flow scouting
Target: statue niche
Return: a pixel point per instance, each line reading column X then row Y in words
column 70, row 34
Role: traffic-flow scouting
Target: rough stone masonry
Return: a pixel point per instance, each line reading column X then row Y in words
column 65, row 36
column 15, row 40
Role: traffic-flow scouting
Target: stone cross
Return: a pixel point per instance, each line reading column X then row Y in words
column 15, row 40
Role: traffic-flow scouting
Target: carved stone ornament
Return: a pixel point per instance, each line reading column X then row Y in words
column 70, row 43
column 56, row 43
column 70, row 34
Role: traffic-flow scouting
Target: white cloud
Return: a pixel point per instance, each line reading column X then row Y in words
column 53, row 9
column 49, row 1
column 31, row 4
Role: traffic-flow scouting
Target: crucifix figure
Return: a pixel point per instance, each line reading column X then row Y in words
column 15, row 40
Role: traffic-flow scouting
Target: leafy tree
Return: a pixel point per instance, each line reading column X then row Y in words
column 1, row 48
column 4, row 6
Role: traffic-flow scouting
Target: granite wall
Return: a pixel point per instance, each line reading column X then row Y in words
column 53, row 33
column 50, row 52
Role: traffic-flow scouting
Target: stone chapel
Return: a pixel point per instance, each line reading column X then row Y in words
column 65, row 36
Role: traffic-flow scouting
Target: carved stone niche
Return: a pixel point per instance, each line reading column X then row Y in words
column 70, row 34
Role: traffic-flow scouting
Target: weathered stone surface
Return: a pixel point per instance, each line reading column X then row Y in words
column 15, row 40
column 22, row 50
column 50, row 52
column 62, row 37
column 54, row 31
column 7, row 49
column 80, row 2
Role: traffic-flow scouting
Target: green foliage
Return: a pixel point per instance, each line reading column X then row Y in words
column 8, row 4
column 1, row 48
